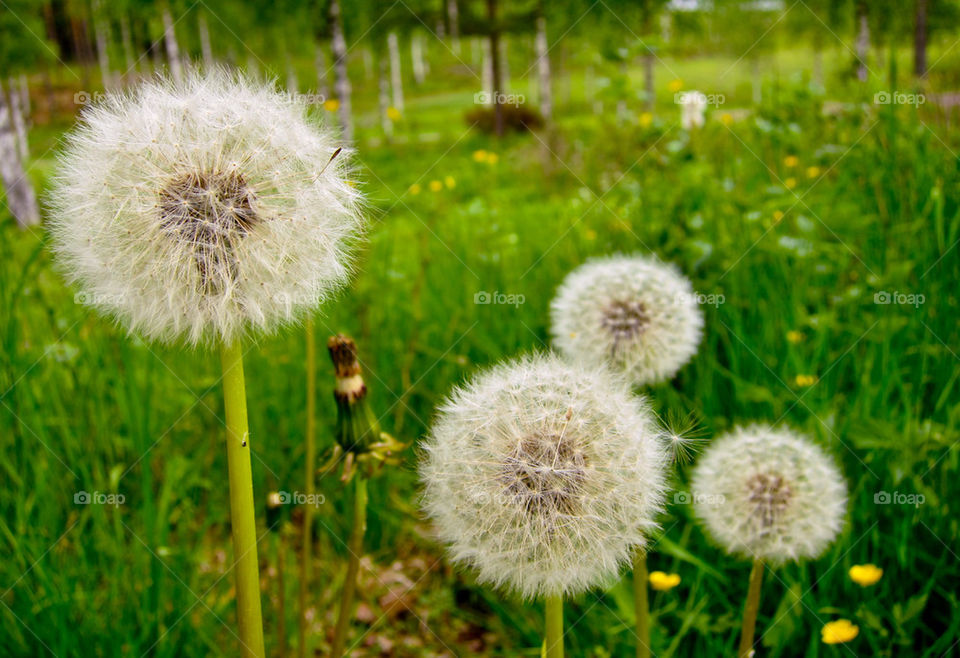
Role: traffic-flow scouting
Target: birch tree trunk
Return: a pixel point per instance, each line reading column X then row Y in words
column 170, row 41
column 396, row 76
column 486, row 73
column 543, row 69
column 504, row 63
column 17, row 119
column 920, row 39
column 495, row 67
column 128, row 59
column 383, row 97
column 21, row 198
column 103, row 48
column 453, row 18
column 320, row 63
column 205, row 46
column 863, row 40
column 342, row 83
column 416, row 55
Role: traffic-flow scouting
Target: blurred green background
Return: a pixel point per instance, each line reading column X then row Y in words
column 816, row 208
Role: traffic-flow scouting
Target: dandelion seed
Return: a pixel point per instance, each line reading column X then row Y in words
column 865, row 575
column 839, row 631
column 769, row 494
column 635, row 313
column 663, row 582
column 203, row 211
column 543, row 476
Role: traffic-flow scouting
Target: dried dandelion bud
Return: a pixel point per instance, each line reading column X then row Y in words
column 769, row 494
column 544, row 476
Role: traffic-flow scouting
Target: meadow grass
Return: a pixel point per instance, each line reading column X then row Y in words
column 87, row 408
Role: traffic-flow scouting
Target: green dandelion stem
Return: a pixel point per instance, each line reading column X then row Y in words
column 310, row 457
column 750, row 609
column 641, row 602
column 355, row 548
column 246, row 566
column 279, row 550
column 554, row 614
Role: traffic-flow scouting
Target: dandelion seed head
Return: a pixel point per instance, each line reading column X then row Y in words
column 203, row 210
column 769, row 494
column 635, row 313
column 543, row 476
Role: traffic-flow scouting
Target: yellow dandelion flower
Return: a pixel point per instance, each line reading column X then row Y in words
column 675, row 85
column 663, row 582
column 415, row 188
column 331, row 105
column 492, row 158
column 480, row 155
column 726, row 118
column 865, row 574
column 790, row 183
column 777, row 216
column 795, row 336
column 813, row 172
column 450, row 182
column 393, row 113
column 839, row 631
column 805, row 380
column 791, row 161
column 435, row 186
column 646, row 119
column 590, row 234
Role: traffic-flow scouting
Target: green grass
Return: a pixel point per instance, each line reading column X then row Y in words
column 86, row 407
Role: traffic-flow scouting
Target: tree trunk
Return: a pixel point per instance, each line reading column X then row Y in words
column 416, row 55
column 543, row 69
column 383, row 97
column 19, row 124
column 486, row 72
column 205, row 46
column 863, row 40
column 342, row 83
column 504, row 65
column 649, row 89
column 173, row 49
column 495, row 66
column 396, row 76
column 128, row 59
column 920, row 40
column 103, row 50
column 293, row 85
column 20, row 195
column 453, row 18
column 24, row 87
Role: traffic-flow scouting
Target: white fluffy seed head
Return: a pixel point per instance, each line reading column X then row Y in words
column 203, row 210
column 770, row 494
column 543, row 476
column 635, row 313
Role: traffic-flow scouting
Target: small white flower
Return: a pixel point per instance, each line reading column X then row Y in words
column 693, row 110
column 544, row 476
column 769, row 494
column 635, row 313
column 203, row 210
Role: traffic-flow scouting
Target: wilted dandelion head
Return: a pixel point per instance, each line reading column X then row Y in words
column 769, row 494
column 542, row 476
column 635, row 313
column 203, row 210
